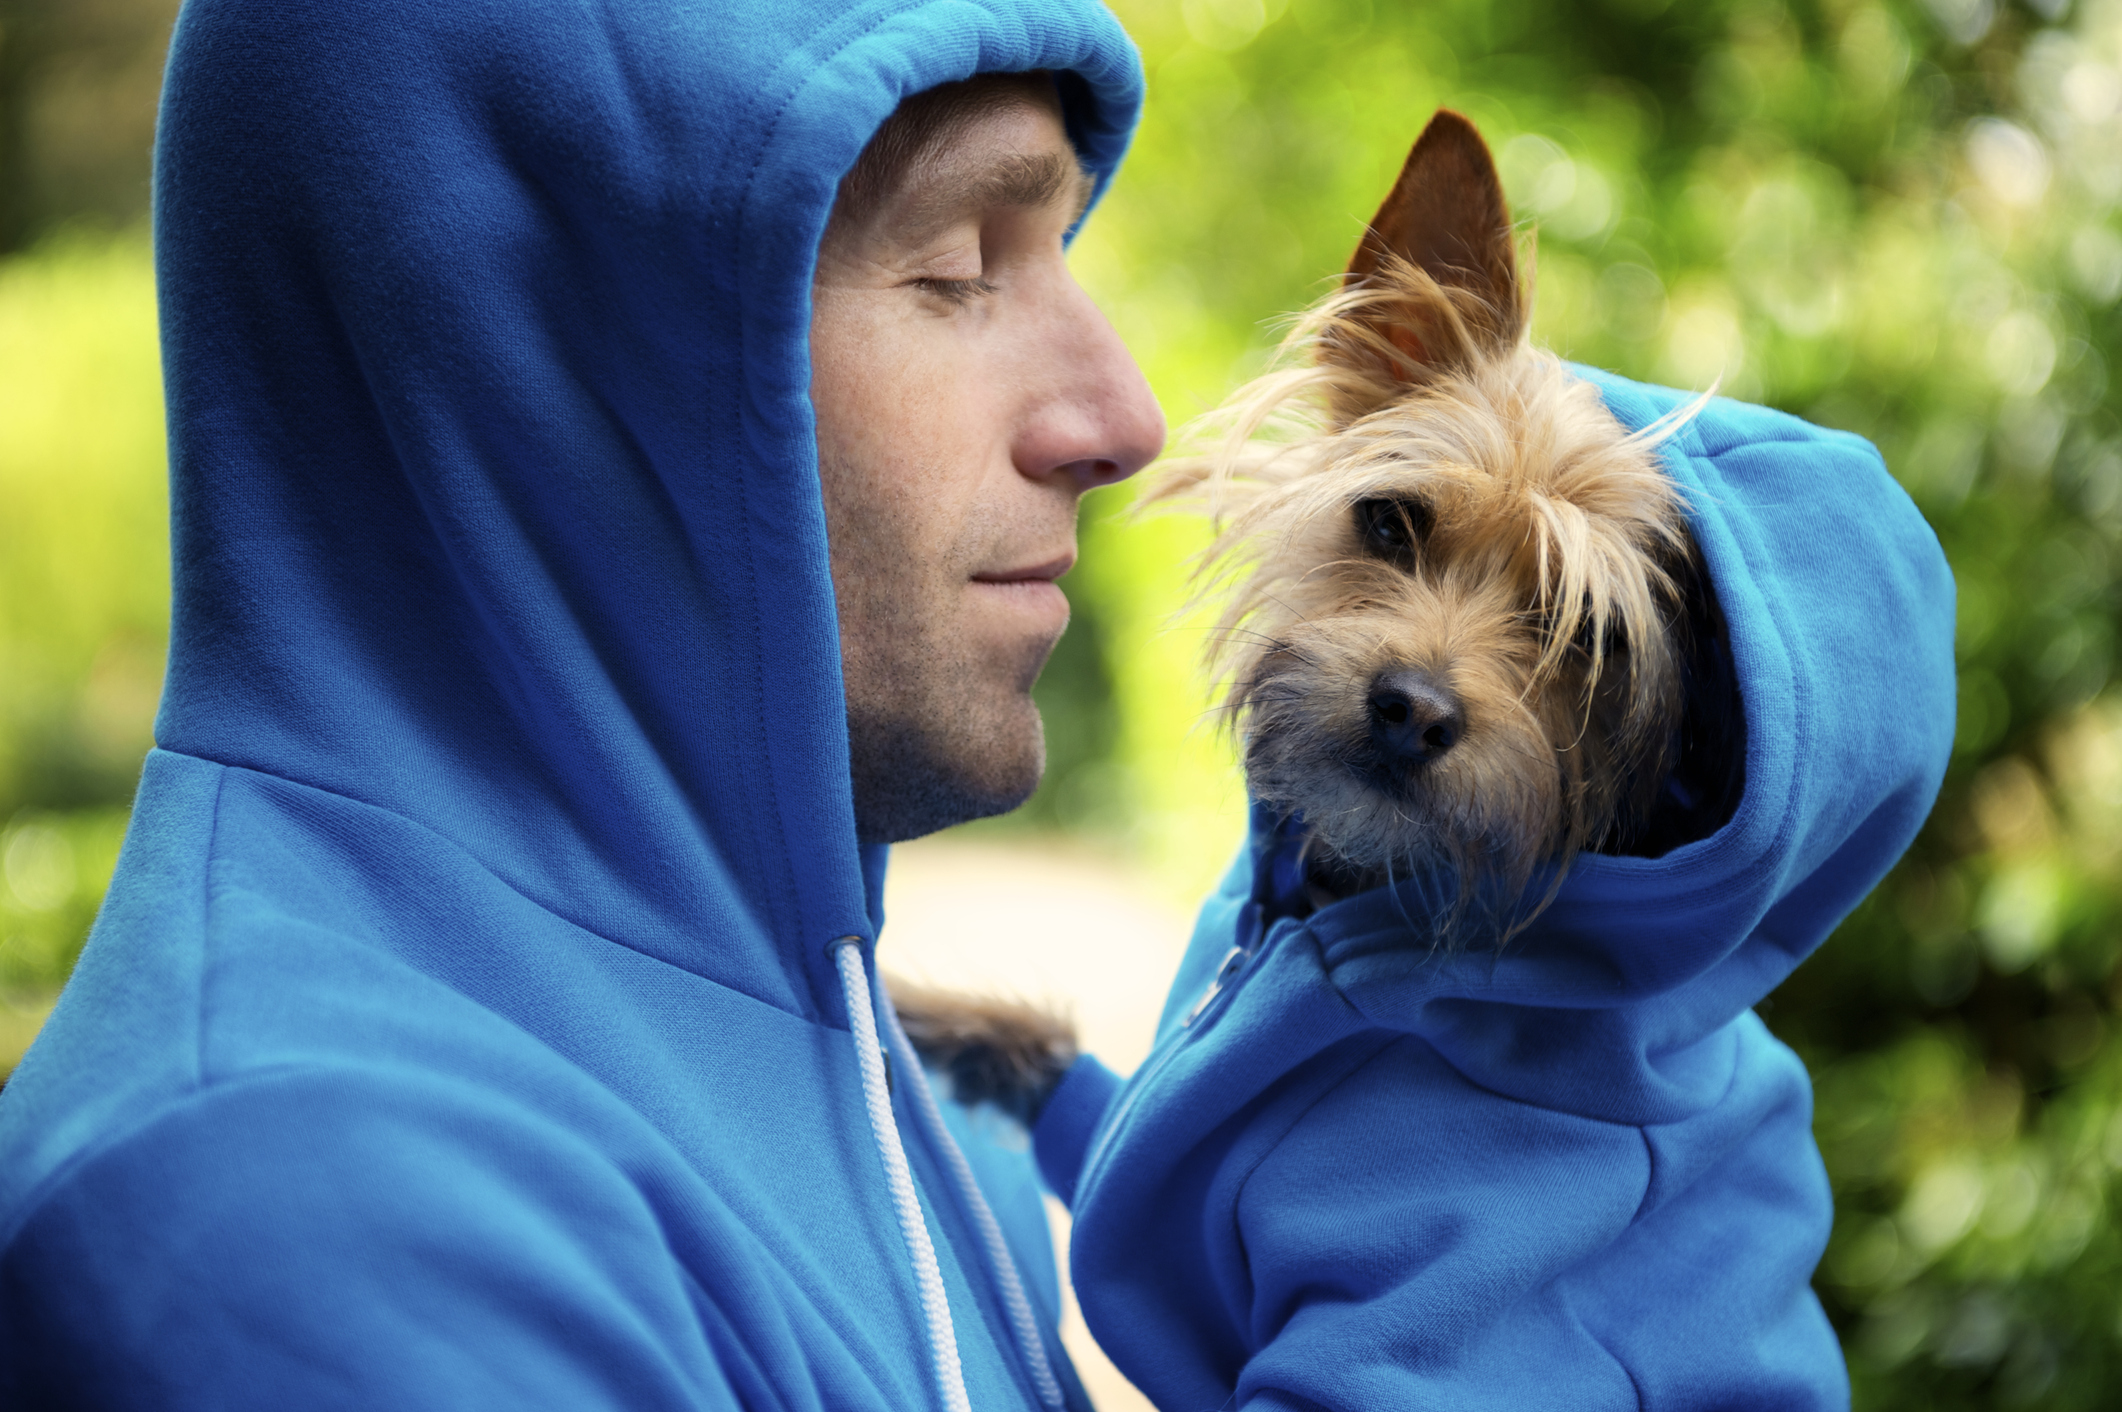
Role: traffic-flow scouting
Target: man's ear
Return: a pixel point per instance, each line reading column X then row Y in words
column 1446, row 217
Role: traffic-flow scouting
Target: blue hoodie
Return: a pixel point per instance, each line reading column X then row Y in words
column 466, row 1025
column 1358, row 1174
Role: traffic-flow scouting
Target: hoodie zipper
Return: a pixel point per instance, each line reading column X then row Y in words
column 1213, row 1002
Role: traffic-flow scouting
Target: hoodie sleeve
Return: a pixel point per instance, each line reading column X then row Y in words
column 319, row 1240
column 1063, row 1134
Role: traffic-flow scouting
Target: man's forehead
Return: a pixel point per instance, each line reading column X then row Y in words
column 981, row 174
column 991, row 143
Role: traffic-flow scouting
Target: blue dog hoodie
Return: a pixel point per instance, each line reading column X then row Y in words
column 1579, row 1174
column 465, row 1027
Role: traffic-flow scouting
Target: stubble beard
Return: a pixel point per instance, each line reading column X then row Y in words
column 936, row 739
column 916, row 771
column 939, row 731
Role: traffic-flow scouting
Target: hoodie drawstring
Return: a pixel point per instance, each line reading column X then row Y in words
column 928, row 1276
column 1000, row 1263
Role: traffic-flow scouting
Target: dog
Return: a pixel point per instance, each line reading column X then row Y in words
column 1465, row 634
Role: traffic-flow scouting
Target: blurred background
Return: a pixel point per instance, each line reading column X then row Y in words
column 1900, row 218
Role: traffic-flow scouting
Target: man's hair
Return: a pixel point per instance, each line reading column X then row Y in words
column 924, row 123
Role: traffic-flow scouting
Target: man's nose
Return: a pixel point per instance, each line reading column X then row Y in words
column 1098, row 422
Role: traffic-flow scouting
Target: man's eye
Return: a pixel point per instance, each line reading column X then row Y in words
column 957, row 291
column 1393, row 529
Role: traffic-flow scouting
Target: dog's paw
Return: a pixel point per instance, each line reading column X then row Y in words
column 1009, row 1053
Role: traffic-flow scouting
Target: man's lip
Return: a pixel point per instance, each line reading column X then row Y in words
column 1030, row 573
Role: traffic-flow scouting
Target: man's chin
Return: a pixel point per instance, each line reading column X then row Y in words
column 912, row 780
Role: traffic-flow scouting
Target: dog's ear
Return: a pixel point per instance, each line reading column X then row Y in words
column 1446, row 217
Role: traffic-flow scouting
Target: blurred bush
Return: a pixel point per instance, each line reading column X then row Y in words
column 1899, row 218
column 84, row 592
column 78, row 84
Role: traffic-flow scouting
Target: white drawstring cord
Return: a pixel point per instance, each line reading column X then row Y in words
column 999, row 1261
column 928, row 1276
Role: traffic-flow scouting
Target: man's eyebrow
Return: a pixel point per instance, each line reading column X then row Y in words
column 1020, row 180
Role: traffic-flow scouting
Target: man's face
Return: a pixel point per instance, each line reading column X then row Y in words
column 967, row 393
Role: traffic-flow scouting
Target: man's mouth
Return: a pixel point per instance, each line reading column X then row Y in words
column 1045, row 572
column 1028, row 594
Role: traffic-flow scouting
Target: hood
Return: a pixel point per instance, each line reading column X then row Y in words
column 494, row 490
column 1616, row 1002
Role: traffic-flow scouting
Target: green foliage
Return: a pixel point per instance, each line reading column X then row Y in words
column 1897, row 219
column 84, row 590
column 55, row 866
column 78, row 86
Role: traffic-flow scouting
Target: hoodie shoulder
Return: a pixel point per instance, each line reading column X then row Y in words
column 179, row 1266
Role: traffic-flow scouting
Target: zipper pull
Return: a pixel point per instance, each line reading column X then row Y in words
column 1233, row 961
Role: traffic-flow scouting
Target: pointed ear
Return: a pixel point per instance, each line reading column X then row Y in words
column 1445, row 216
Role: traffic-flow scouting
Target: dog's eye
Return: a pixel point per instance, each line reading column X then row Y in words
column 1616, row 637
column 1392, row 529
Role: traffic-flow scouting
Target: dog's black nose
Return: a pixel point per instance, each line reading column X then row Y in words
column 1413, row 717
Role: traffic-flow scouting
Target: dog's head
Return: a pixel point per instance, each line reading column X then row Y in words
column 1458, row 592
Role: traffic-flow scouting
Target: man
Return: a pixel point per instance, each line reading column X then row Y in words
column 967, row 394
column 483, row 1012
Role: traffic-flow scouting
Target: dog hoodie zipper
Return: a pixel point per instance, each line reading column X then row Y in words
column 1213, row 1002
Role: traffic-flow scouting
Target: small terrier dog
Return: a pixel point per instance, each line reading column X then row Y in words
column 1465, row 634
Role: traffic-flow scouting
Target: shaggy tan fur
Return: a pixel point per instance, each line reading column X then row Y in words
column 1524, row 564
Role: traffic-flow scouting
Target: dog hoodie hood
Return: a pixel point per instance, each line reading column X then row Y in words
column 1357, row 1173
column 463, row 1026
